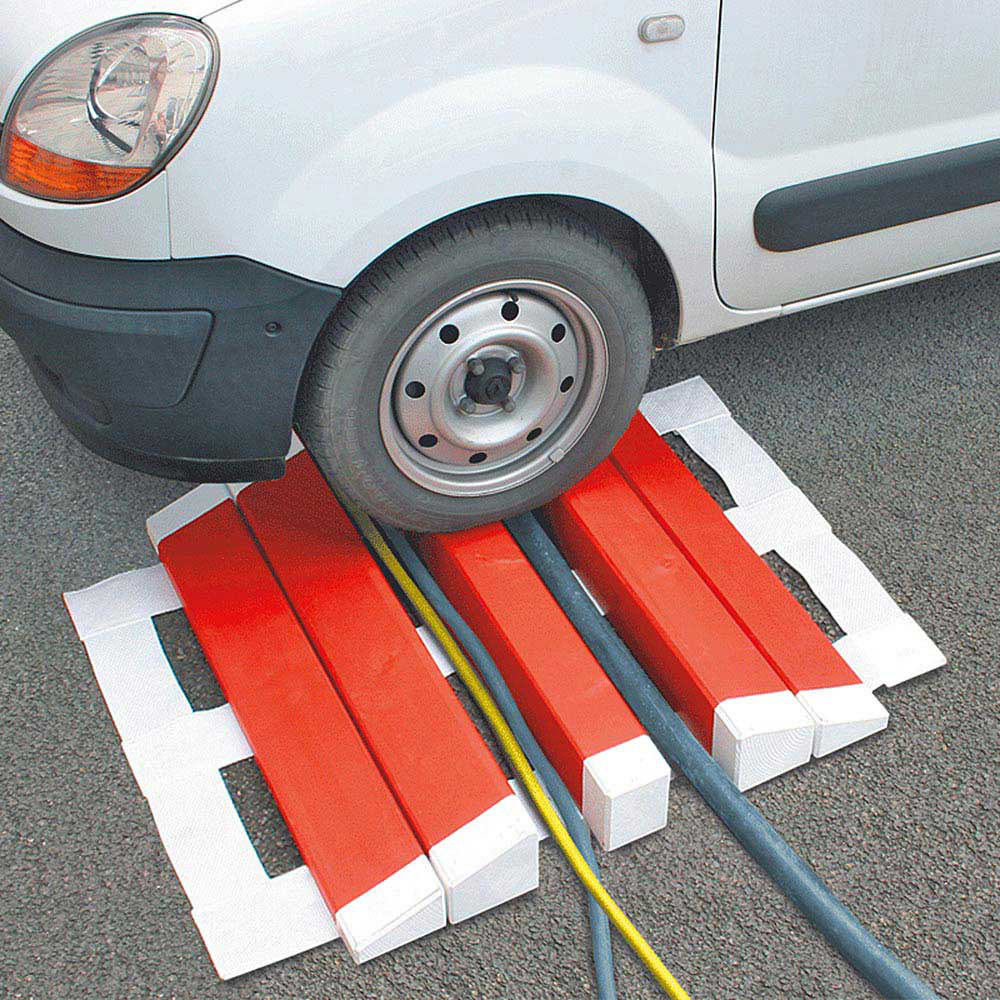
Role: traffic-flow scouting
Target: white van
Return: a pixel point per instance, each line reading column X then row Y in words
column 443, row 238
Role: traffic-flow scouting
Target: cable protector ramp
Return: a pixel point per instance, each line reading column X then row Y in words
column 478, row 836
column 367, row 863
column 842, row 708
column 701, row 660
column 617, row 777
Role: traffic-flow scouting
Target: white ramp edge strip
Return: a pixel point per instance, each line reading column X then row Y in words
column 184, row 510
column 760, row 736
column 246, row 918
column 842, row 715
column 626, row 791
column 405, row 906
column 489, row 861
column 882, row 644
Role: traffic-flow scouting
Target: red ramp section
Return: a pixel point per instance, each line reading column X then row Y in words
column 362, row 853
column 842, row 708
column 698, row 656
column 480, row 839
column 602, row 753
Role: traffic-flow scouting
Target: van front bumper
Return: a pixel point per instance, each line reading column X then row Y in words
column 187, row 369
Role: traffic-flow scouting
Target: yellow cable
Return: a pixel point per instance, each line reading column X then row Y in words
column 508, row 741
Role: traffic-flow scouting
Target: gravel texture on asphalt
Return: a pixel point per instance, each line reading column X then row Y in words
column 884, row 410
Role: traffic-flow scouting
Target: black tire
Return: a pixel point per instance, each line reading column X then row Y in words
column 338, row 403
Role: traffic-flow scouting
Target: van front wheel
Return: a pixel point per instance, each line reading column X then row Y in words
column 478, row 369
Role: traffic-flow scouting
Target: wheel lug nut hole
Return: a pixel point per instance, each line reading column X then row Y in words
column 532, row 435
column 415, row 390
column 480, row 456
column 428, row 440
column 566, row 384
column 449, row 333
column 558, row 332
column 510, row 311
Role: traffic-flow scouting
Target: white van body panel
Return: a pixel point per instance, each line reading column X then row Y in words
column 482, row 102
column 133, row 227
column 807, row 91
column 337, row 130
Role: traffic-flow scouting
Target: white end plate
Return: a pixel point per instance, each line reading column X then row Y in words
column 759, row 736
column 626, row 790
column 842, row 715
column 490, row 860
column 406, row 906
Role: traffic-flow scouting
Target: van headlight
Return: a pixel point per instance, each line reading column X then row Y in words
column 108, row 109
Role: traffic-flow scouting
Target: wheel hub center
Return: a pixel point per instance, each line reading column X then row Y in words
column 492, row 385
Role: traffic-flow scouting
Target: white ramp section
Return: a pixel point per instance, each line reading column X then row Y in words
column 842, row 715
column 506, row 835
column 626, row 792
column 883, row 645
column 758, row 737
column 246, row 918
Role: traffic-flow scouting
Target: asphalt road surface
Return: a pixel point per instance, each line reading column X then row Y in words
column 884, row 410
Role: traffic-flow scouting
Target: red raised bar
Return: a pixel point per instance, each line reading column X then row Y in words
column 768, row 613
column 590, row 735
column 698, row 656
column 479, row 837
column 345, row 821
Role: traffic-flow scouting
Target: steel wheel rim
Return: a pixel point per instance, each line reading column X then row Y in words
column 442, row 420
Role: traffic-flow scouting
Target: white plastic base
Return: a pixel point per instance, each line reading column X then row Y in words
column 246, row 918
column 490, row 860
column 842, row 715
column 406, row 906
column 895, row 651
column 183, row 511
column 626, row 790
column 883, row 645
column 759, row 736
column 284, row 918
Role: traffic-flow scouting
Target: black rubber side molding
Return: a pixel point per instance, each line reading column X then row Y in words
column 140, row 357
column 181, row 368
column 892, row 194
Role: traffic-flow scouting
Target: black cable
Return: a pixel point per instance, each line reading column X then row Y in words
column 793, row 876
column 600, row 930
